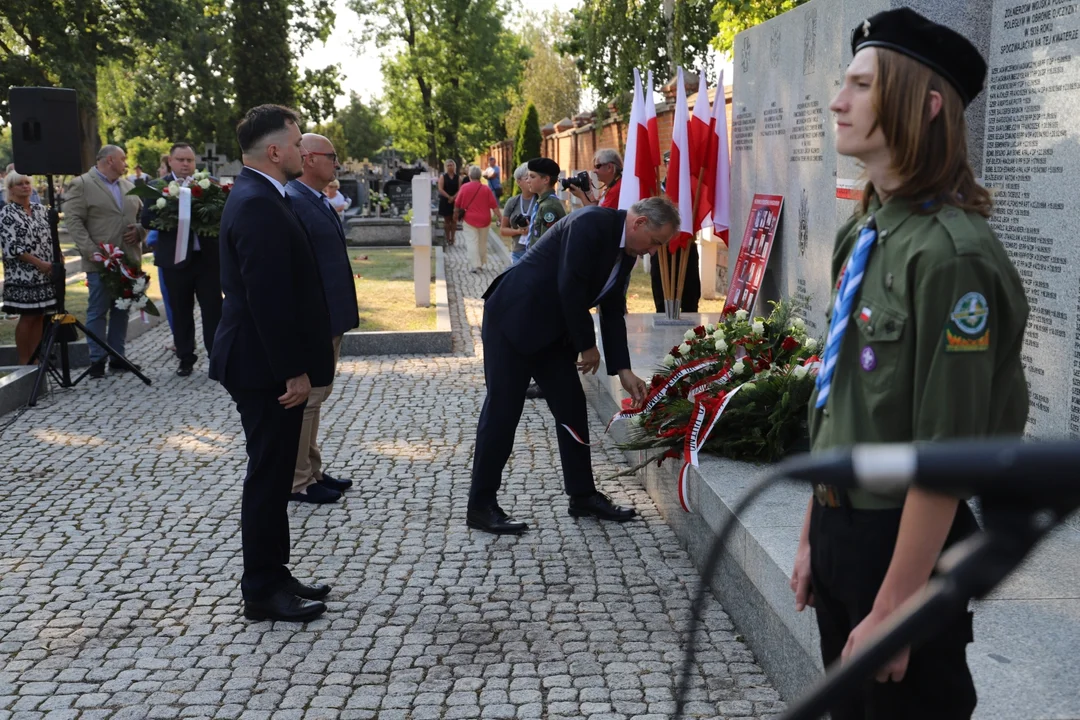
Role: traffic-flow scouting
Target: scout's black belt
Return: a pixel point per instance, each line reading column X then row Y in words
column 857, row 499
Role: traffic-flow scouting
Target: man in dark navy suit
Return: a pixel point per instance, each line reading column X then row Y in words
column 310, row 482
column 189, row 272
column 272, row 345
column 537, row 322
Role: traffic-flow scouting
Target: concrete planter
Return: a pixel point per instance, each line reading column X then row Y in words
column 15, row 386
column 409, row 342
column 377, row 232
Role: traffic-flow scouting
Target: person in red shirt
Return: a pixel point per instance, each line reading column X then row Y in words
column 478, row 202
column 608, row 166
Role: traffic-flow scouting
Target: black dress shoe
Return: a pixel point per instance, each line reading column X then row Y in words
column 534, row 392
column 121, row 367
column 315, row 591
column 97, row 370
column 283, row 607
column 185, row 369
column 490, row 520
column 316, row 493
column 334, row 483
column 598, row 505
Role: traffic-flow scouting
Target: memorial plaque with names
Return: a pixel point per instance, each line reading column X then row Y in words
column 1031, row 149
column 400, row 195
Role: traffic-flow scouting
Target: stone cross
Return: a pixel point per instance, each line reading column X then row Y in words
column 211, row 158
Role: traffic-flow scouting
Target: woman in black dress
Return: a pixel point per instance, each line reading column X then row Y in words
column 449, row 183
column 26, row 242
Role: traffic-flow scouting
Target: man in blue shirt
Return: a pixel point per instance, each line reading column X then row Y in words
column 310, row 482
column 493, row 174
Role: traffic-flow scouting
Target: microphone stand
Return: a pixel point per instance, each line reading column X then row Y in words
column 969, row 570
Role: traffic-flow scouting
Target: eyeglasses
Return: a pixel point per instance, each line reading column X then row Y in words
column 597, row 166
column 332, row 156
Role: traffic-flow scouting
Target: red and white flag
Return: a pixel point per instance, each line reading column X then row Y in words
column 702, row 155
column 630, row 188
column 721, row 209
column 643, row 164
column 678, row 177
column 650, row 122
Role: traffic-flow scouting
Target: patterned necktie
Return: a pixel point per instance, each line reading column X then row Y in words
column 841, row 314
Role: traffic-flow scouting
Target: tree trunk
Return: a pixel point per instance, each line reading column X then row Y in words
column 89, row 139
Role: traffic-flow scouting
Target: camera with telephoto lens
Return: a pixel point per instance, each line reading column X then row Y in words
column 581, row 180
column 520, row 222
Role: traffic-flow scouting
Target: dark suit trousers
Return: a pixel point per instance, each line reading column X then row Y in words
column 507, row 373
column 272, row 434
column 201, row 279
column 691, row 292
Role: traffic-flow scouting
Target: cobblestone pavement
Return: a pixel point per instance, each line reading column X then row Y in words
column 120, row 563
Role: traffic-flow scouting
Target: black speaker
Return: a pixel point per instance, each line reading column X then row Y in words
column 45, row 135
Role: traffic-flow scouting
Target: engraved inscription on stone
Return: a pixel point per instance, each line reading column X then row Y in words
column 773, row 121
column 776, row 41
column 1033, row 90
column 744, row 56
column 808, row 131
column 742, row 131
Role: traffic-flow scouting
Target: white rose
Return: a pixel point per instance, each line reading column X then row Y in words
column 721, row 346
column 668, row 361
column 799, row 371
column 749, row 386
column 718, row 334
column 738, row 367
column 689, row 335
column 684, row 349
column 810, row 343
column 204, row 184
column 174, row 189
column 160, row 203
column 758, row 328
column 741, row 314
column 799, row 324
column 710, row 329
column 637, row 420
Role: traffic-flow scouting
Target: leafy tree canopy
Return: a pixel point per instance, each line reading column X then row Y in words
column 609, row 38
column 363, row 127
column 734, row 16
column 450, row 75
column 551, row 80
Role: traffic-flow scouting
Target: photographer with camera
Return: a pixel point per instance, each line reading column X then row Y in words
column 515, row 219
column 608, row 166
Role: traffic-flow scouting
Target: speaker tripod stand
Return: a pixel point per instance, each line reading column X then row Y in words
column 60, row 329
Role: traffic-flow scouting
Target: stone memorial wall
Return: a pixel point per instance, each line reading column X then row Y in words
column 1023, row 141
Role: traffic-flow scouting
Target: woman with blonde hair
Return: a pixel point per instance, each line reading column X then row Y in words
column 26, row 241
column 338, row 200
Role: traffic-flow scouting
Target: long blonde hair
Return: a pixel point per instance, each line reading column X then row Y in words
column 930, row 156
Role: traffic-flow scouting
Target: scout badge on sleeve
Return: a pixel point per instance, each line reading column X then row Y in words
column 968, row 328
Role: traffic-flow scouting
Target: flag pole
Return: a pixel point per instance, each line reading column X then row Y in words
column 686, row 260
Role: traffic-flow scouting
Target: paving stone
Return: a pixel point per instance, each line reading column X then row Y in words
column 120, row 562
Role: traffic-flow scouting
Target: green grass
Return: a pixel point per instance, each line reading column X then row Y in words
column 384, row 290
column 77, row 297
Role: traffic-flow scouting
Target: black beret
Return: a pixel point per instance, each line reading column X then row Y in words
column 544, row 166
column 942, row 49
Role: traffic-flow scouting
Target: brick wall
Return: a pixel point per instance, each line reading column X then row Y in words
column 573, row 149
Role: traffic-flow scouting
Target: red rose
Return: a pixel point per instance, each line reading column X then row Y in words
column 675, row 352
column 227, row 188
column 762, row 364
column 196, row 191
column 700, row 331
column 657, row 380
column 789, row 343
column 164, row 191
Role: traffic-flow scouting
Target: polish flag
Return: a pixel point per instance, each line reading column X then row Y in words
column 630, row 188
column 678, row 177
column 650, row 122
column 721, row 209
column 643, row 162
column 702, row 154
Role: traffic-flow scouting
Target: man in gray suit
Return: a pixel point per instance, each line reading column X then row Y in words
column 97, row 210
column 311, row 483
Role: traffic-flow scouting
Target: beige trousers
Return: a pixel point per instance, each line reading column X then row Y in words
column 476, row 242
column 308, row 457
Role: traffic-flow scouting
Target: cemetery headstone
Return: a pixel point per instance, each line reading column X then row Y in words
column 211, row 160
column 400, row 195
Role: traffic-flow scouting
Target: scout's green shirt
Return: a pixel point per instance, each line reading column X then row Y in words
column 932, row 350
column 548, row 213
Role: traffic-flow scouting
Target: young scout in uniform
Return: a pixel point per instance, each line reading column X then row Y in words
column 547, row 210
column 924, row 344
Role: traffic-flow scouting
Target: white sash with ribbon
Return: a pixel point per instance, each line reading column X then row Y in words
column 183, row 226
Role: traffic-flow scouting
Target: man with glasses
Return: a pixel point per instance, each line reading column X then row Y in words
column 311, row 483
column 608, row 166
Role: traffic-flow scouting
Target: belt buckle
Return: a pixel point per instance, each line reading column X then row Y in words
column 826, row 495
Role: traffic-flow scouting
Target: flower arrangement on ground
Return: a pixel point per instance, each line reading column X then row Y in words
column 739, row 388
column 207, row 203
column 125, row 283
